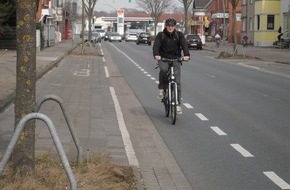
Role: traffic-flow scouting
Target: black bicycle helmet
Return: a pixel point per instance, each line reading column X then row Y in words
column 170, row 21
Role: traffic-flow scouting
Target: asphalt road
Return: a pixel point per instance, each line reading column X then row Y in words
column 233, row 133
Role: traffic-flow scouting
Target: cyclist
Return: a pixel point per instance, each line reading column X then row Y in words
column 169, row 44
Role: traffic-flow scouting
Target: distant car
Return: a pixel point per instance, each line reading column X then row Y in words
column 107, row 35
column 97, row 36
column 101, row 31
column 193, row 41
column 115, row 36
column 131, row 37
column 144, row 37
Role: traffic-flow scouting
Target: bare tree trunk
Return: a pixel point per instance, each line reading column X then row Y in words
column 186, row 21
column 24, row 153
column 235, row 28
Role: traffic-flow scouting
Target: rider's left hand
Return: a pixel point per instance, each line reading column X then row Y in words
column 186, row 58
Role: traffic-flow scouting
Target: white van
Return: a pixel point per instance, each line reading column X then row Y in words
column 101, row 31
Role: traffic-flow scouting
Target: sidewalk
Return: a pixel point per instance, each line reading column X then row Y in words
column 45, row 60
column 270, row 54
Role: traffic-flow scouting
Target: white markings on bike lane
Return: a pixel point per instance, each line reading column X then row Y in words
column 133, row 161
column 188, row 106
column 241, row 150
column 218, row 131
column 277, row 180
column 201, row 116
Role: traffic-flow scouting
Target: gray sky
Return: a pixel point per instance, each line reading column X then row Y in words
column 111, row 5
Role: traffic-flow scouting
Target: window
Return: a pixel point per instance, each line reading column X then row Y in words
column 251, row 24
column 244, row 2
column 270, row 22
column 251, row 1
column 258, row 22
column 244, row 21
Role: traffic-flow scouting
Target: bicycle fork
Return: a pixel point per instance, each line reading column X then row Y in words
column 170, row 88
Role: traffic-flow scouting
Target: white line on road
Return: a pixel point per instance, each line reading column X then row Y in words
column 104, row 59
column 212, row 76
column 188, row 106
column 277, row 180
column 124, row 132
column 201, row 117
column 241, row 150
column 106, row 71
column 218, row 130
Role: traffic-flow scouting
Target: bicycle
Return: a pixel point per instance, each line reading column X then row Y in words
column 170, row 98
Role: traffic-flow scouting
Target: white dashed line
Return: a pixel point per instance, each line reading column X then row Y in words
column 188, row 106
column 241, row 150
column 212, row 76
column 201, row 117
column 218, row 130
column 277, row 180
column 106, row 71
column 104, row 59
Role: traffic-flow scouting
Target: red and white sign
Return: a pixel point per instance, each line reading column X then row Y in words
column 120, row 12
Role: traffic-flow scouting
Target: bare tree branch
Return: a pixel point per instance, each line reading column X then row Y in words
column 186, row 5
column 155, row 8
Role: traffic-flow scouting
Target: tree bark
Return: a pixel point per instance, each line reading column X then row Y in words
column 24, row 153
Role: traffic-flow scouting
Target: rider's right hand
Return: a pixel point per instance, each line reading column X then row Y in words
column 157, row 57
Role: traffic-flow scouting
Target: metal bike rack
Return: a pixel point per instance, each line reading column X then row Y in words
column 69, row 123
column 55, row 138
column 239, row 46
column 84, row 47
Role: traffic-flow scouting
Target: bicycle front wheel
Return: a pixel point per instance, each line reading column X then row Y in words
column 173, row 103
column 166, row 103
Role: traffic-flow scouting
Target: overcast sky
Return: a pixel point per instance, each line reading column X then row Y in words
column 111, row 5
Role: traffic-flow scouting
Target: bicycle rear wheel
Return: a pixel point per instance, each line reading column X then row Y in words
column 173, row 103
column 166, row 102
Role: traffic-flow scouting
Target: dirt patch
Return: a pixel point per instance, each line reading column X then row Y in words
column 96, row 173
column 227, row 55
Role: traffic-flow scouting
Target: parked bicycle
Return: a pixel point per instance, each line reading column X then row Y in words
column 170, row 98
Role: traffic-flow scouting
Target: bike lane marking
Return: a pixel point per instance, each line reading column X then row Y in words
column 218, row 131
column 188, row 106
column 242, row 150
column 277, row 180
column 130, row 152
column 201, row 116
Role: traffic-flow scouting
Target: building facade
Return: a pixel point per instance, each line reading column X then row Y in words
column 266, row 22
column 221, row 19
column 248, row 17
column 285, row 19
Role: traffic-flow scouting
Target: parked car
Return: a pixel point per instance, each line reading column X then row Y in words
column 144, row 37
column 193, row 41
column 115, row 36
column 107, row 35
column 97, row 36
column 101, row 31
column 131, row 37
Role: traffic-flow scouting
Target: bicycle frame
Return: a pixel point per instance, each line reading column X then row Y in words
column 170, row 99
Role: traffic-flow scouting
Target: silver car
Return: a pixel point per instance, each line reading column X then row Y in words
column 115, row 36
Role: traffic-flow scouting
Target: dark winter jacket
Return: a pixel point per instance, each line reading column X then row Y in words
column 169, row 45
